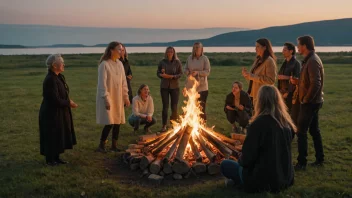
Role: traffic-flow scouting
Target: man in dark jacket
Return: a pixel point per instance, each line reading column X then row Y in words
column 238, row 107
column 310, row 95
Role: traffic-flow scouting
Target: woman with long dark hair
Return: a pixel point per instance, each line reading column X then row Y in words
column 266, row 161
column 112, row 95
column 169, row 71
column 263, row 71
column 128, row 71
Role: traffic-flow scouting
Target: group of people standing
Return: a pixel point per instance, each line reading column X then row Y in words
column 270, row 124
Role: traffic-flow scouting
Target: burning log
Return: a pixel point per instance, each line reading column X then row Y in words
column 199, row 167
column 164, row 143
column 145, row 161
column 172, row 149
column 181, row 167
column 133, row 151
column 155, row 167
column 218, row 144
column 239, row 137
column 183, row 143
column 224, row 138
column 135, row 146
column 167, row 168
column 195, row 150
column 211, row 156
column 213, row 169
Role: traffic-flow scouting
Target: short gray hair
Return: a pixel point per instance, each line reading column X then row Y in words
column 52, row 59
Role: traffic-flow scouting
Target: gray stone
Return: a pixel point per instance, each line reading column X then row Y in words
column 156, row 179
column 177, row 176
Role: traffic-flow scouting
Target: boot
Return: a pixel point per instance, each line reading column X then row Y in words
column 101, row 147
column 114, row 146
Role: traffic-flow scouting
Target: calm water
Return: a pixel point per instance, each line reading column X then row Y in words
column 89, row 50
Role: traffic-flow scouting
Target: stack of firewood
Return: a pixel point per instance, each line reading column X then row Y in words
column 181, row 153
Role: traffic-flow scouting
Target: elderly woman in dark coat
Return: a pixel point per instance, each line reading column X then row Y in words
column 55, row 118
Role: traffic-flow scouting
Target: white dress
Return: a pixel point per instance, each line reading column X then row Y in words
column 112, row 87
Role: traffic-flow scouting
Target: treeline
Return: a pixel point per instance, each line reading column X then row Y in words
column 152, row 59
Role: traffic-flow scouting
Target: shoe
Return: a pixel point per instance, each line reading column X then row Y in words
column 300, row 167
column 163, row 129
column 101, row 148
column 147, row 130
column 229, row 183
column 59, row 161
column 51, row 164
column 235, row 129
column 135, row 130
column 114, row 146
column 317, row 163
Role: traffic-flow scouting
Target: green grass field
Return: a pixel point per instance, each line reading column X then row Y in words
column 23, row 172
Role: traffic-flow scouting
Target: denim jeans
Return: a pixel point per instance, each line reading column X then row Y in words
column 232, row 170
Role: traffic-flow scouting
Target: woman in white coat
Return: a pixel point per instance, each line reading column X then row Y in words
column 112, row 95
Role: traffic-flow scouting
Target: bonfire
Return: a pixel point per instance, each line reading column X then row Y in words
column 190, row 146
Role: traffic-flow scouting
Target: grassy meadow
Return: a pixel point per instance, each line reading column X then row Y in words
column 23, row 172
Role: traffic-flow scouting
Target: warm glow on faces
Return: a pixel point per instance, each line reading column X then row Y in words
column 198, row 49
column 145, row 91
column 287, row 53
column 301, row 48
column 170, row 53
column 235, row 88
column 59, row 65
column 116, row 53
column 259, row 49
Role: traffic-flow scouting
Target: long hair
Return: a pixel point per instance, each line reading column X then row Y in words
column 107, row 53
column 126, row 55
column 139, row 91
column 270, row 102
column 174, row 57
column 194, row 49
column 269, row 49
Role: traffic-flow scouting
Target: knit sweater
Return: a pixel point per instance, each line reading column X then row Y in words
column 141, row 107
column 202, row 66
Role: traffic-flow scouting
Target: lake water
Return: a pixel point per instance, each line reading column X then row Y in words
column 90, row 50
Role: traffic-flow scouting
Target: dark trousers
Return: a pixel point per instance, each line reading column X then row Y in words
column 136, row 121
column 288, row 101
column 308, row 119
column 203, row 101
column 295, row 113
column 241, row 117
column 165, row 95
column 232, row 170
column 106, row 130
column 130, row 95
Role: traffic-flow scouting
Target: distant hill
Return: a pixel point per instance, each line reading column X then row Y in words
column 46, row 35
column 326, row 33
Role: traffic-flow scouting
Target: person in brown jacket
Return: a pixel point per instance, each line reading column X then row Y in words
column 263, row 71
column 310, row 96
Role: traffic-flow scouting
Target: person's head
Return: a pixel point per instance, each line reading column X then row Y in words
column 236, row 87
column 112, row 51
column 55, row 63
column 264, row 49
column 305, row 44
column 170, row 54
column 197, row 50
column 288, row 50
column 270, row 102
column 143, row 90
column 124, row 54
